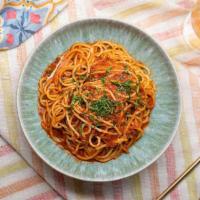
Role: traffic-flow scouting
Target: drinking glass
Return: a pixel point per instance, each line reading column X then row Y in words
column 191, row 28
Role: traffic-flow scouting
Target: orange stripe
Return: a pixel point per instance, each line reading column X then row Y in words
column 155, row 186
column 19, row 185
column 173, row 32
column 193, row 61
column 161, row 17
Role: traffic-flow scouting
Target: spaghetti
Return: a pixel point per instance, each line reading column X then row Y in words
column 95, row 100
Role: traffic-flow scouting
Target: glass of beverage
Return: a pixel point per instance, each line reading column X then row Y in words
column 191, row 28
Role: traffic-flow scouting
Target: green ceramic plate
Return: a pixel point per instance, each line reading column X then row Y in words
column 164, row 118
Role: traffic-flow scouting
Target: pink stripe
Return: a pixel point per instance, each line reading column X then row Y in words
column 38, row 37
column 174, row 32
column 98, row 194
column 37, row 163
column 60, row 184
column 21, row 54
column 117, row 190
column 90, row 9
column 186, row 4
column 44, row 196
column 101, row 4
column 171, row 171
column 5, row 149
column 155, row 185
column 72, row 12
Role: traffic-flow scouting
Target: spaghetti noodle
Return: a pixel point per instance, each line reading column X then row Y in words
column 95, row 100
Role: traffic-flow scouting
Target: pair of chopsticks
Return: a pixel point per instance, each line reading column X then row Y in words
column 180, row 178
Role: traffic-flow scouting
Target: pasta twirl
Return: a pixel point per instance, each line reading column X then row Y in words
column 95, row 100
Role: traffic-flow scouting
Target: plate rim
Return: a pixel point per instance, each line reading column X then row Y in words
column 99, row 179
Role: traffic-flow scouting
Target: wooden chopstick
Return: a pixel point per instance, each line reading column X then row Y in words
column 180, row 178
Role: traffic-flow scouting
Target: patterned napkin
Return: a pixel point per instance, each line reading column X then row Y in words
column 19, row 19
column 16, row 175
column 163, row 22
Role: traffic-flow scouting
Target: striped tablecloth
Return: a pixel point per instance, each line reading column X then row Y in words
column 24, row 176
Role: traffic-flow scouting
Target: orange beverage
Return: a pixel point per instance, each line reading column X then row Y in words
column 191, row 30
column 195, row 18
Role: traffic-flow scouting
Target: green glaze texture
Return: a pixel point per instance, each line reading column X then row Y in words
column 164, row 118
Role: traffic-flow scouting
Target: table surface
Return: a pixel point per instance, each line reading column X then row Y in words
column 24, row 176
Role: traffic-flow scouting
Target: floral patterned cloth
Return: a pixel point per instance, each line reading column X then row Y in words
column 19, row 19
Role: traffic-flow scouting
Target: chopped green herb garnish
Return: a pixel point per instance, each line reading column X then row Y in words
column 72, row 80
column 81, row 128
column 98, row 125
column 91, row 117
column 126, row 70
column 103, row 80
column 103, row 107
column 126, row 86
column 138, row 101
column 88, row 94
column 108, row 70
column 82, row 76
column 118, row 103
column 98, row 89
column 137, row 88
column 75, row 99
column 68, row 108
column 139, row 78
